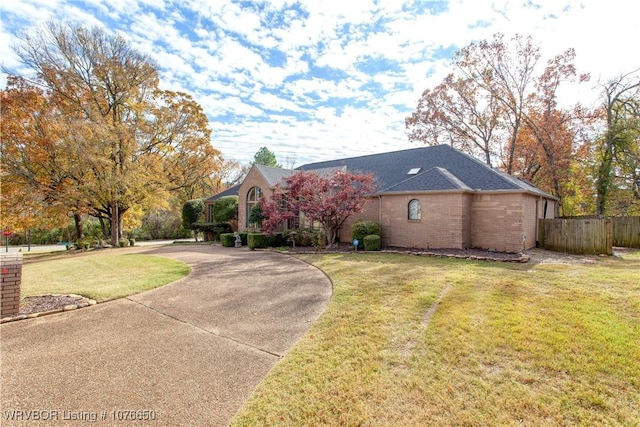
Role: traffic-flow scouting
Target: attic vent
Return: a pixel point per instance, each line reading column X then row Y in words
column 413, row 171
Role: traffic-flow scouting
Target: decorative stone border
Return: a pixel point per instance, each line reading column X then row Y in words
column 517, row 257
column 521, row 259
column 81, row 303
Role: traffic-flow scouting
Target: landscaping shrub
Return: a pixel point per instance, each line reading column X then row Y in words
column 361, row 229
column 372, row 242
column 132, row 242
column 225, row 209
column 84, row 243
column 123, row 243
column 212, row 230
column 276, row 240
column 257, row 240
column 139, row 234
column 303, row 237
column 243, row 236
column 228, row 240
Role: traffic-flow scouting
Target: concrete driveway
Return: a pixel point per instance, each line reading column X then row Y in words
column 188, row 353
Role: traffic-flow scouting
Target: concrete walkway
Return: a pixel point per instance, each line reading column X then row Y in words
column 189, row 353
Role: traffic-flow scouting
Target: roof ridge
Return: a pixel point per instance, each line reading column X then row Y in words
column 451, row 177
column 428, row 147
column 493, row 170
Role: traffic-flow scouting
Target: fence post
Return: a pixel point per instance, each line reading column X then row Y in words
column 11, row 269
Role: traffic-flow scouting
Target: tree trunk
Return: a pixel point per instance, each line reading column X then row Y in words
column 121, row 213
column 331, row 236
column 77, row 219
column 115, row 224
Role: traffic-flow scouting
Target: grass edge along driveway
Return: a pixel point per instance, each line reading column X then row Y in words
column 526, row 344
column 101, row 275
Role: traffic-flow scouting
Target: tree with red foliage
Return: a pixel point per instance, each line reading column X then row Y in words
column 328, row 199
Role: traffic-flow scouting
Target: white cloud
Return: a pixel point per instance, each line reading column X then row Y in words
column 319, row 101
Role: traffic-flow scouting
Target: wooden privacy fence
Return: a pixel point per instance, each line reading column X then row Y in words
column 626, row 231
column 577, row 235
column 589, row 235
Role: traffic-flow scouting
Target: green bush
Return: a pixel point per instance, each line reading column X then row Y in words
column 276, row 240
column 212, row 230
column 228, row 240
column 192, row 211
column 243, row 236
column 361, row 229
column 257, row 240
column 255, row 215
column 372, row 242
column 84, row 243
column 225, row 209
column 132, row 242
column 303, row 237
column 123, row 243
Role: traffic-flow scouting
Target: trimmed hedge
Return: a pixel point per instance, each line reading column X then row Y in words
column 361, row 229
column 212, row 230
column 277, row 240
column 228, row 240
column 372, row 242
column 256, row 241
column 243, row 236
column 260, row 240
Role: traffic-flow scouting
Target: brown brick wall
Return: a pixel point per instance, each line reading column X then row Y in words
column 11, row 276
column 499, row 220
column 443, row 224
column 444, row 221
column 457, row 220
column 253, row 179
column 370, row 213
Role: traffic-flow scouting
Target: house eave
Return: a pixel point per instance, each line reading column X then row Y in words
column 466, row 190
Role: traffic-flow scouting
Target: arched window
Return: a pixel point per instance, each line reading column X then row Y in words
column 253, row 197
column 414, row 209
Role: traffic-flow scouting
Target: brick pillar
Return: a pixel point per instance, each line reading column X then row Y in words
column 11, row 273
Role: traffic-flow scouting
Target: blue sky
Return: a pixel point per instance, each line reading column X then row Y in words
column 317, row 80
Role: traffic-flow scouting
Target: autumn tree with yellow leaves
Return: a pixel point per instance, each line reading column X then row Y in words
column 91, row 132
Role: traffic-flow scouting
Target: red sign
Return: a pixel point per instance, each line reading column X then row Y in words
column 6, row 233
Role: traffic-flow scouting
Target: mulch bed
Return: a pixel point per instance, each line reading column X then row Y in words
column 35, row 306
column 38, row 304
column 477, row 254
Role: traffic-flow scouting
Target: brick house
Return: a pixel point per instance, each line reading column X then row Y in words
column 428, row 197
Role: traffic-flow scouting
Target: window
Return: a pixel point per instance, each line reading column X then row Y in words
column 253, row 197
column 413, row 171
column 414, row 209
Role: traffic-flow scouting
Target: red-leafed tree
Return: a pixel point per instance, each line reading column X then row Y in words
column 324, row 199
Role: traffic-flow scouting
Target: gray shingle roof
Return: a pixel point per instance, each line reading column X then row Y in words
column 442, row 167
column 231, row 191
column 430, row 180
column 273, row 175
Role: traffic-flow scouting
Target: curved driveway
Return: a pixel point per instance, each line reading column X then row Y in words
column 191, row 351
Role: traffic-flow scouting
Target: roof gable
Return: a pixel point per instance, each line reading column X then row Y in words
column 434, row 179
column 273, row 175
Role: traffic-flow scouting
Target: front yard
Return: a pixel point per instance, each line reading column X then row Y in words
column 427, row 341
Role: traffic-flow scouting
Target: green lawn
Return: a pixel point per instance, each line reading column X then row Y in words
column 508, row 344
column 101, row 275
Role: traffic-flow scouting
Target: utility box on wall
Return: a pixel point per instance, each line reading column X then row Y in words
column 11, row 273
